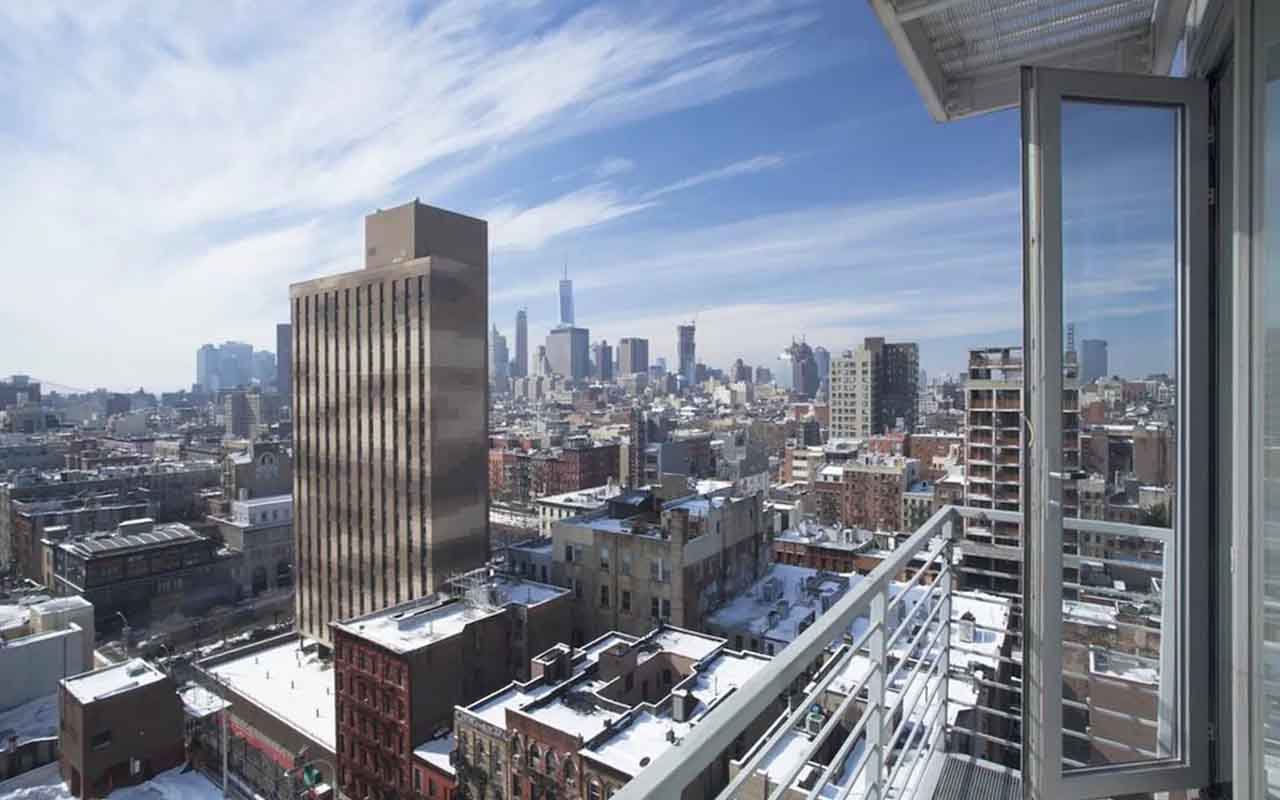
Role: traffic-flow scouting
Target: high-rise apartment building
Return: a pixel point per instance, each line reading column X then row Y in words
column 633, row 356
column 994, row 446
column 569, row 352
column 602, row 360
column 1093, row 360
column 390, row 417
column 805, row 377
column 499, row 360
column 520, row 368
column 874, row 389
column 284, row 364
column 566, row 299
column 685, row 352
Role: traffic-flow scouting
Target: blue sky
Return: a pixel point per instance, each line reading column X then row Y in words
column 766, row 167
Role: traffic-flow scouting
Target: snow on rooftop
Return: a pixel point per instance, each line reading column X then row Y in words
column 45, row 783
column 35, row 719
column 199, row 702
column 102, row 683
column 642, row 736
column 413, row 625
column 295, row 686
column 436, row 753
column 694, row 646
column 750, row 610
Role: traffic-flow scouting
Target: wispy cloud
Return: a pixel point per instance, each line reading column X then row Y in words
column 531, row 228
column 750, row 165
column 139, row 141
column 614, row 166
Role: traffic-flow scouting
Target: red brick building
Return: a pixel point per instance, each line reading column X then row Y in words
column 400, row 671
column 931, row 448
column 866, row 492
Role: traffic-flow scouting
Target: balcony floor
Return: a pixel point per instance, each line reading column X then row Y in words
column 965, row 778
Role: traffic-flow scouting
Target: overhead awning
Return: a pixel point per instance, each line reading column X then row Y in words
column 964, row 55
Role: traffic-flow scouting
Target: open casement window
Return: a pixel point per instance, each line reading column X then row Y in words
column 1118, row 295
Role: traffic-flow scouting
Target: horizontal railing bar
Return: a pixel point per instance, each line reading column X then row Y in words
column 933, row 555
column 1147, row 660
column 1108, row 712
column 994, row 712
column 852, row 739
column 995, row 684
column 906, row 718
column 1068, row 673
column 971, row 651
column 818, row 740
column 989, row 737
column 677, row 767
column 829, row 671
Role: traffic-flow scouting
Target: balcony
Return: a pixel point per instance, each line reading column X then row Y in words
column 901, row 690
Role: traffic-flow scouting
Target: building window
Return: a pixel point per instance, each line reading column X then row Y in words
column 626, row 600
column 604, row 556
column 666, row 608
column 654, row 608
column 568, row 553
column 593, row 791
column 604, row 596
column 626, row 562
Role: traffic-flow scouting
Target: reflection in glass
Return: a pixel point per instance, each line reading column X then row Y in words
column 1119, row 303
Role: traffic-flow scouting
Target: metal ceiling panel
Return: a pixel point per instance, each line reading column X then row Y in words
column 964, row 55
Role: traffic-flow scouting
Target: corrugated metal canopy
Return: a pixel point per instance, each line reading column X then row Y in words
column 964, row 55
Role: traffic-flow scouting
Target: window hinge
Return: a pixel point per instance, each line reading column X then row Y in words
column 1234, row 556
column 1213, row 196
column 1213, row 732
column 1213, row 134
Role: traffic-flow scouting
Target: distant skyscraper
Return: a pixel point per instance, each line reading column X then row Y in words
column 822, row 357
column 804, row 370
column 499, row 360
column 569, row 352
column 685, row 351
column 236, row 364
column 521, row 368
column 633, row 356
column 284, row 361
column 390, row 417
column 264, row 367
column 1093, row 360
column 209, row 367
column 602, row 360
column 566, row 299
column 541, row 366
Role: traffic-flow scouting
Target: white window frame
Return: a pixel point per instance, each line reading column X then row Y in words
column 1187, row 557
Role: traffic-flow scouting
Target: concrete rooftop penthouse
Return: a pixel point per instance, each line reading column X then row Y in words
column 390, row 417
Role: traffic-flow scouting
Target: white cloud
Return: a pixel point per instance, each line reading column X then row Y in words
column 141, row 143
column 614, row 166
column 757, row 164
column 531, row 228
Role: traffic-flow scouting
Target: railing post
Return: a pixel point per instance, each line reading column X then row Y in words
column 948, row 531
column 876, row 755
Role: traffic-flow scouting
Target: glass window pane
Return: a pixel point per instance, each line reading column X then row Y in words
column 1119, row 249
column 1270, row 53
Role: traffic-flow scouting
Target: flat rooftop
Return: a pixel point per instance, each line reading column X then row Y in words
column 418, row 623
column 108, row 681
column 294, row 686
column 633, row 743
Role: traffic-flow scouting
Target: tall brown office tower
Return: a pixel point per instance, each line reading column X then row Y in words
column 390, row 415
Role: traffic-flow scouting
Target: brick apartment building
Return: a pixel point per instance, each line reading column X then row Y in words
column 524, row 475
column 399, row 672
column 641, row 561
column 865, row 492
column 593, row 718
column 120, row 725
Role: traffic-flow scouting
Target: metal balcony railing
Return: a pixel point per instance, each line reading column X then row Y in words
column 883, row 693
